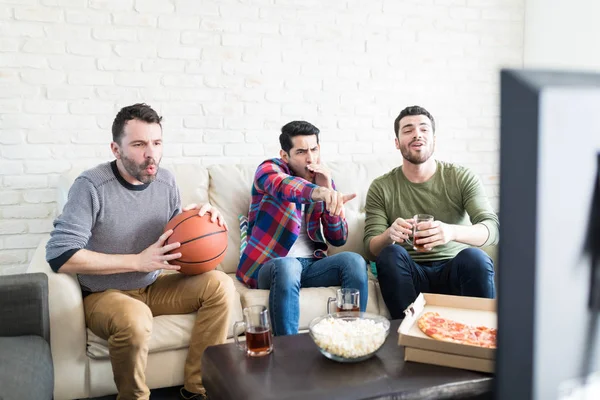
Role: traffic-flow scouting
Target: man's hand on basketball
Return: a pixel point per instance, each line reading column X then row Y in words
column 334, row 200
column 400, row 230
column 215, row 215
column 155, row 257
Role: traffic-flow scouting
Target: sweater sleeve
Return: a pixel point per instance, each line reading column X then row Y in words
column 478, row 206
column 271, row 179
column 376, row 219
column 73, row 227
column 175, row 202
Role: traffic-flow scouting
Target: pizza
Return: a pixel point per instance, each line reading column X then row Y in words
column 440, row 328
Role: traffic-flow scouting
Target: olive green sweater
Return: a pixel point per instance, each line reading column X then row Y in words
column 453, row 195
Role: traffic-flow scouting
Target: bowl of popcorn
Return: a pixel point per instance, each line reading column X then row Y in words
column 349, row 336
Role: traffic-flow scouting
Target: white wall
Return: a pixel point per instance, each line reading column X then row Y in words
column 562, row 34
column 227, row 74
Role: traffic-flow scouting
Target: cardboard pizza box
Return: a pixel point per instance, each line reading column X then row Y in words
column 469, row 310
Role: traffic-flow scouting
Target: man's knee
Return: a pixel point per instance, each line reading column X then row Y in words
column 392, row 256
column 222, row 285
column 132, row 327
column 352, row 261
column 475, row 262
column 286, row 271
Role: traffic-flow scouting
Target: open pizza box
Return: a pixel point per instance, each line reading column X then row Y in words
column 424, row 349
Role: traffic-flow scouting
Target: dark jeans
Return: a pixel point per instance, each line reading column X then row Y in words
column 470, row 273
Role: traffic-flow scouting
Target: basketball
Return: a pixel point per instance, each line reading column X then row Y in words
column 203, row 243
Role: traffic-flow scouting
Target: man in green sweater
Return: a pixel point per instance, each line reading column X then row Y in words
column 445, row 261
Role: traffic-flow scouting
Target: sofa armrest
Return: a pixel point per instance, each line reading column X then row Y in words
column 67, row 326
column 24, row 305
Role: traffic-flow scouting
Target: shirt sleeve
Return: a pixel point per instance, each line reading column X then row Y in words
column 335, row 228
column 73, row 227
column 478, row 207
column 271, row 179
column 376, row 218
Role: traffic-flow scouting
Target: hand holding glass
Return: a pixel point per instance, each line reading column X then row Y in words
column 418, row 219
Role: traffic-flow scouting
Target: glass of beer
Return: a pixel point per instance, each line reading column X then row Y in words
column 418, row 219
column 257, row 328
column 345, row 300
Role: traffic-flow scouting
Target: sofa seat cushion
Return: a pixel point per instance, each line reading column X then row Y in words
column 26, row 370
column 169, row 332
column 313, row 301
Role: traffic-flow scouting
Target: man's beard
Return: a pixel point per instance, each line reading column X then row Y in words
column 416, row 157
column 138, row 171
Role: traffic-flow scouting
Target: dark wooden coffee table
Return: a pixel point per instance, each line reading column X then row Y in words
column 297, row 370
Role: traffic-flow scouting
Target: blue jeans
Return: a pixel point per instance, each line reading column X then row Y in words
column 286, row 275
column 470, row 273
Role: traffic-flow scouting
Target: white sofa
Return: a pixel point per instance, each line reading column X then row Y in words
column 81, row 365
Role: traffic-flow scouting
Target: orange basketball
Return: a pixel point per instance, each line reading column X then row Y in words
column 203, row 243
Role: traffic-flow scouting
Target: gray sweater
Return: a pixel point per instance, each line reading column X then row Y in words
column 106, row 214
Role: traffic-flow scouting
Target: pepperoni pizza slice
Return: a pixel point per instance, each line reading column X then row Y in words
column 440, row 328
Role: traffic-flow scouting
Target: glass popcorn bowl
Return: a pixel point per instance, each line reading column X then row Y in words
column 349, row 336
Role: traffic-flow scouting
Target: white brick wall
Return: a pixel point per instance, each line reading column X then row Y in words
column 227, row 74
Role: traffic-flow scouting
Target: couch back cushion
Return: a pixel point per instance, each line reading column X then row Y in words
column 229, row 191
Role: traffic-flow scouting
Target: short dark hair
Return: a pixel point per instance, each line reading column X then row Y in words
column 413, row 110
column 139, row 111
column 296, row 128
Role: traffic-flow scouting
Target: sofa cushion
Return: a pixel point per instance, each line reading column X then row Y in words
column 356, row 228
column 313, row 301
column 356, row 177
column 192, row 181
column 169, row 332
column 26, row 370
column 243, row 232
column 230, row 192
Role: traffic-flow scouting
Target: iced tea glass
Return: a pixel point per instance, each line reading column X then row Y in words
column 257, row 328
column 345, row 300
column 418, row 219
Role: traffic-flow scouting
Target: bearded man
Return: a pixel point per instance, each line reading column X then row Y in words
column 441, row 255
column 110, row 233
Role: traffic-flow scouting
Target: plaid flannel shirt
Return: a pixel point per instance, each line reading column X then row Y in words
column 274, row 219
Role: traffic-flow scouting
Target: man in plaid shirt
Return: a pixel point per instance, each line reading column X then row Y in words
column 294, row 204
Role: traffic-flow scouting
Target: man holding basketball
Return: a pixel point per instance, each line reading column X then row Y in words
column 295, row 208
column 439, row 258
column 107, row 235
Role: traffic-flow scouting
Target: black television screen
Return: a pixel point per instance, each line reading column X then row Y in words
column 548, row 336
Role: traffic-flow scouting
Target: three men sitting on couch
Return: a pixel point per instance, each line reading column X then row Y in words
column 295, row 211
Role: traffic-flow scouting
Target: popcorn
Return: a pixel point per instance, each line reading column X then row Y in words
column 349, row 338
